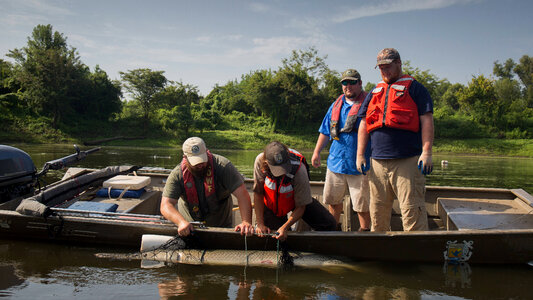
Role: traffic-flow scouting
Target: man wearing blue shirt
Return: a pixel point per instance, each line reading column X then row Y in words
column 340, row 126
column 398, row 117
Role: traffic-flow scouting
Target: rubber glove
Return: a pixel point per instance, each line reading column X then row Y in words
column 361, row 164
column 425, row 163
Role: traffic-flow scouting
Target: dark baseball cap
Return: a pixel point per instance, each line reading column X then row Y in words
column 387, row 56
column 277, row 158
column 350, row 74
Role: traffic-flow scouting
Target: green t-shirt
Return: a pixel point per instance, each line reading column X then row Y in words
column 215, row 213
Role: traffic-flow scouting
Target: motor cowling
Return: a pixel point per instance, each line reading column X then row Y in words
column 17, row 173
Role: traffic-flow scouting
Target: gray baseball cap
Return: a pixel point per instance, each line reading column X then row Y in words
column 277, row 158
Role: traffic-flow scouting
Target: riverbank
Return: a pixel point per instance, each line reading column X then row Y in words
column 255, row 140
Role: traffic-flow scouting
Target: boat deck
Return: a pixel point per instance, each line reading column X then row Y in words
column 483, row 214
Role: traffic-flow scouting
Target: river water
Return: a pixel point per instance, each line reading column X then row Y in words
column 51, row 271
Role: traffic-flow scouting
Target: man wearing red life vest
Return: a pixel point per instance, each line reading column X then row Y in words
column 340, row 127
column 399, row 121
column 200, row 189
column 281, row 186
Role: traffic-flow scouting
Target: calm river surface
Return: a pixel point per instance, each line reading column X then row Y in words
column 50, row 271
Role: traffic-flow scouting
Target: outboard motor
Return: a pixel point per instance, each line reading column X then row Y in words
column 18, row 174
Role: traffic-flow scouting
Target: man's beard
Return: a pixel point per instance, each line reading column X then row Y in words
column 199, row 173
column 350, row 95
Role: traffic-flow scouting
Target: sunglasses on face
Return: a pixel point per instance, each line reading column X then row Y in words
column 349, row 82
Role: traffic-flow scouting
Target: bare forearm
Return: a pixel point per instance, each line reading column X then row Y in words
column 362, row 138
column 321, row 142
column 296, row 215
column 169, row 211
column 428, row 132
column 245, row 204
column 259, row 208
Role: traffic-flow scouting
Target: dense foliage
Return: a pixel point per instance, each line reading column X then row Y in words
column 47, row 91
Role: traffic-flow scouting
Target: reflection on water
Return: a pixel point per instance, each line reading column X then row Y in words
column 457, row 274
column 49, row 271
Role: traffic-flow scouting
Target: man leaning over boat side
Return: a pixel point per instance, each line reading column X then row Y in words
column 200, row 188
column 281, row 186
column 399, row 120
column 340, row 127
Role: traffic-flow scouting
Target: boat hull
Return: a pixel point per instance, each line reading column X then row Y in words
column 505, row 241
column 489, row 246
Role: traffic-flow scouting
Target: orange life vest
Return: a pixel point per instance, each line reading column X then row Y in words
column 392, row 106
column 279, row 193
column 351, row 119
column 190, row 187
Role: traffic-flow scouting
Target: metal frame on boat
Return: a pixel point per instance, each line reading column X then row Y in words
column 481, row 225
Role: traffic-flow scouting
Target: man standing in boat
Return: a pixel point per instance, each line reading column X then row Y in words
column 281, row 186
column 399, row 120
column 340, row 126
column 200, row 188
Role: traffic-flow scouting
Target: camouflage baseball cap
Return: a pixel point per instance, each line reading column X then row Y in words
column 386, row 56
column 350, row 74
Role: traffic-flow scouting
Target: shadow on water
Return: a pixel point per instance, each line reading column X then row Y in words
column 50, row 270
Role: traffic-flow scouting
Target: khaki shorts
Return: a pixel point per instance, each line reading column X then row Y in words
column 397, row 179
column 335, row 190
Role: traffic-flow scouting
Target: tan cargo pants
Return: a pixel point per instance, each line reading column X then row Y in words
column 397, row 179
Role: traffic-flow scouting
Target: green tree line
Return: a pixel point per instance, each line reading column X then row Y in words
column 47, row 88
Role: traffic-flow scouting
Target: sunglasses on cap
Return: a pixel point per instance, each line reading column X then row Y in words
column 349, row 82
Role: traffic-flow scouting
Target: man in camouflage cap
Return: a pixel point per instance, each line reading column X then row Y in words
column 398, row 117
column 340, row 127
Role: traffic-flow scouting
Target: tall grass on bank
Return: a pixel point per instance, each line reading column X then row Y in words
column 485, row 146
column 249, row 136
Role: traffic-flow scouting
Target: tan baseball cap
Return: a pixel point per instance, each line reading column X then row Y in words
column 195, row 151
column 277, row 158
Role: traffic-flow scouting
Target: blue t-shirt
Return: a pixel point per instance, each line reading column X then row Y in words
column 388, row 143
column 343, row 152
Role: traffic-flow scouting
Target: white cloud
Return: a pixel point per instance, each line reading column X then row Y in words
column 234, row 37
column 80, row 40
column 219, row 39
column 35, row 7
column 45, row 7
column 394, row 6
column 259, row 7
column 16, row 20
column 203, row 39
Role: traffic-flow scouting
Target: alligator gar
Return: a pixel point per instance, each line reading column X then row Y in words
column 169, row 249
column 253, row 258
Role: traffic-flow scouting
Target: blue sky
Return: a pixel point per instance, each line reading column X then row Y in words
column 205, row 42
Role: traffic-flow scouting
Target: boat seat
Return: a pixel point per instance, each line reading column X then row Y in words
column 468, row 213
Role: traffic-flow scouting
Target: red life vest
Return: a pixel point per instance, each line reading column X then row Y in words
column 279, row 193
column 392, row 106
column 351, row 119
column 190, row 187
